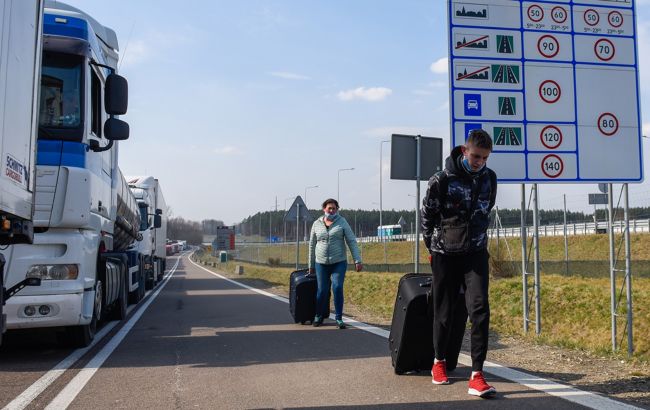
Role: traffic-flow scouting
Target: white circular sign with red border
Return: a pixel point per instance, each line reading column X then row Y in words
column 608, row 124
column 552, row 166
column 535, row 13
column 559, row 14
column 549, row 91
column 604, row 49
column 615, row 19
column 548, row 46
column 591, row 17
column 551, row 137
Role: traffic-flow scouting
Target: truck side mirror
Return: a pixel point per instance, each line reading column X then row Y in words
column 116, row 130
column 157, row 221
column 116, row 95
column 158, row 211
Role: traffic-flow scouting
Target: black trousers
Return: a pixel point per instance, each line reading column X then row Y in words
column 450, row 273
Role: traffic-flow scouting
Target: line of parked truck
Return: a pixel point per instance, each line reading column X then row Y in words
column 79, row 240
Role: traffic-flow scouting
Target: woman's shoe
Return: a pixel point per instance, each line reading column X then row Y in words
column 340, row 324
column 318, row 320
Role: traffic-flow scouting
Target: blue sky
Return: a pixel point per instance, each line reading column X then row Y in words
column 235, row 103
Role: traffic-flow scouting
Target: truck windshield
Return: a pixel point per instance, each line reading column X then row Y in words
column 60, row 107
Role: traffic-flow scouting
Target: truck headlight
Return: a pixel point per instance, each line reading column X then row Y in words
column 53, row 272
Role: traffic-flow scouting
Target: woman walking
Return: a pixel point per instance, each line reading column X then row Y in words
column 327, row 256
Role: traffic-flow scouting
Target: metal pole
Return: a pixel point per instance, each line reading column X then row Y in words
column 612, row 271
column 417, row 204
column 566, row 243
column 381, row 198
column 524, row 251
column 538, row 308
column 628, row 274
column 496, row 224
column 297, row 236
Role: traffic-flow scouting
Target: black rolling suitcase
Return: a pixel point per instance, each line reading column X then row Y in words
column 302, row 296
column 411, row 332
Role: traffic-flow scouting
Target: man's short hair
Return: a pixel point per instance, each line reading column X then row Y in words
column 479, row 138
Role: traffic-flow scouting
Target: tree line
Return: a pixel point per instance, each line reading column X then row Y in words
column 364, row 222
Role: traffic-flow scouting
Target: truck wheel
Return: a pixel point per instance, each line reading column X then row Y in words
column 82, row 336
column 119, row 308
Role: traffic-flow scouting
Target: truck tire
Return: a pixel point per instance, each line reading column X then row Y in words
column 82, row 336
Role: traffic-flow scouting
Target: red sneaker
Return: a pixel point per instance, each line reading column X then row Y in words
column 439, row 373
column 479, row 387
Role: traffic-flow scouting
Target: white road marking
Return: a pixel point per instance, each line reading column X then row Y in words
column 28, row 395
column 74, row 387
column 563, row 391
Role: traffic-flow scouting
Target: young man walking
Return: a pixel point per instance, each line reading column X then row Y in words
column 455, row 219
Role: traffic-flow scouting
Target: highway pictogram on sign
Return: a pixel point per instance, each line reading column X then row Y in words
column 552, row 166
column 608, row 124
column 549, row 91
column 604, row 49
column 551, row 136
column 548, row 46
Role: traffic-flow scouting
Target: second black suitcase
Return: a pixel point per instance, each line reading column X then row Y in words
column 411, row 332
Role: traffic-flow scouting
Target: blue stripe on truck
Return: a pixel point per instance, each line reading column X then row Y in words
column 61, row 153
column 73, row 27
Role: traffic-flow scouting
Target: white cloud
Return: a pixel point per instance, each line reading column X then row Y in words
column 441, row 66
column 362, row 93
column 228, row 150
column 289, row 76
column 422, row 92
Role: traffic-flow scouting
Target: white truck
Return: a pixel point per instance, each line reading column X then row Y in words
column 153, row 228
column 85, row 216
column 20, row 64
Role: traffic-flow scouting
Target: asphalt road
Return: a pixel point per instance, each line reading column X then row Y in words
column 204, row 342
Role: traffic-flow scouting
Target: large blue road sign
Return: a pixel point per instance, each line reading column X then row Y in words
column 555, row 83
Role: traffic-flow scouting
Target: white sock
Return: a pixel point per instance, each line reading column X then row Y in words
column 436, row 361
column 474, row 374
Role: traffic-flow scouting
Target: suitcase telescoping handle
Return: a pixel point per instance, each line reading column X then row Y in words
column 426, row 284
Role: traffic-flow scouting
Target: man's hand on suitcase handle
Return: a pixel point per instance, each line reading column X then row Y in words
column 311, row 271
column 358, row 266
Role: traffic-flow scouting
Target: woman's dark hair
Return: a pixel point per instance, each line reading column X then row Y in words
column 331, row 201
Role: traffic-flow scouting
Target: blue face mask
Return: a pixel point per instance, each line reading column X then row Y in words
column 468, row 167
column 331, row 216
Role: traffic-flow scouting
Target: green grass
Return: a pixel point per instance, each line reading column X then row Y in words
column 575, row 310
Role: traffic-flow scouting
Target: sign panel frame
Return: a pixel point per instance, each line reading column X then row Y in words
column 530, row 72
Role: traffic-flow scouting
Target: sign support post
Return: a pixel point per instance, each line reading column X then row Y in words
column 538, row 308
column 628, row 274
column 297, row 236
column 612, row 262
column 418, row 140
column 524, row 251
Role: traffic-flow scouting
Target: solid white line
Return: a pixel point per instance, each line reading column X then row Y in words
column 74, row 387
column 563, row 391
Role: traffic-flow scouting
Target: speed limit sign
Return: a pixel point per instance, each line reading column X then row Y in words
column 549, row 91
column 604, row 49
column 548, row 46
column 552, row 166
column 608, row 124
